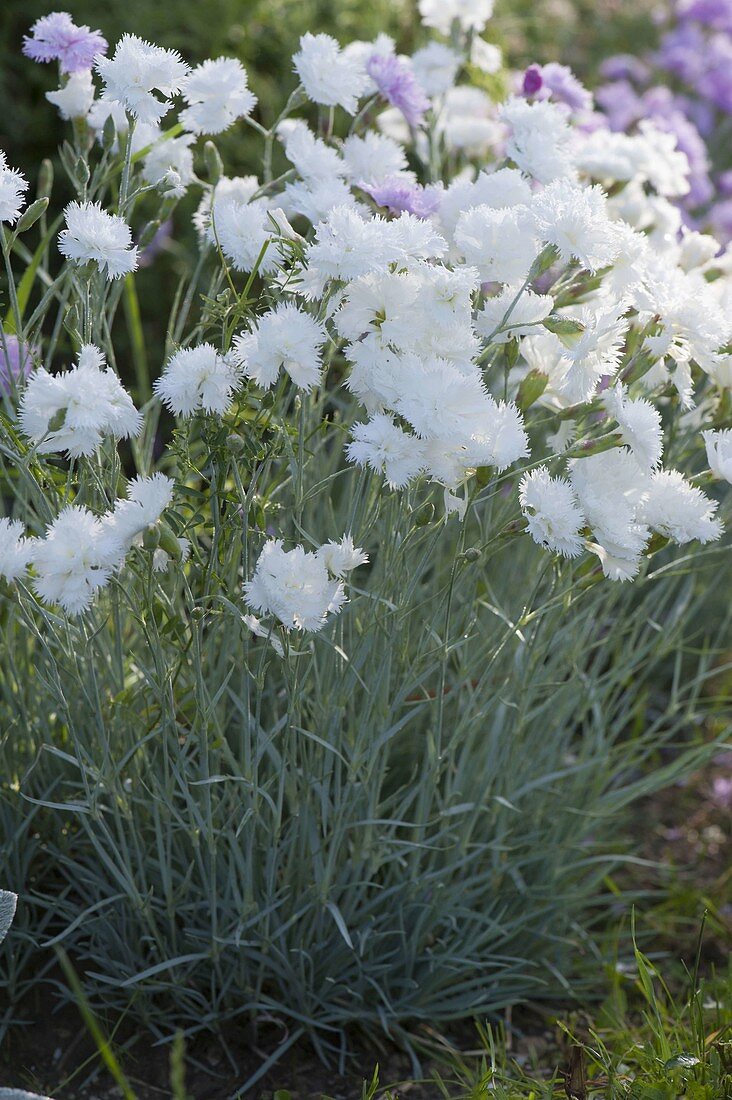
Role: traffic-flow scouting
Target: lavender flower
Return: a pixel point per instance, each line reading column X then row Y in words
column 558, row 82
column 56, row 37
column 713, row 13
column 400, row 195
column 533, row 80
column 15, row 362
column 397, row 83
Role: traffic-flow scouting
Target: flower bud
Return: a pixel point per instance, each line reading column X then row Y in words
column 45, row 179
column 531, row 388
column 214, row 165
column 30, row 216
column 151, row 537
column 425, row 515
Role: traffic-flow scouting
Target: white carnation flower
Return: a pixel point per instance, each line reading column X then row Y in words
column 285, row 337
column 501, row 244
column 679, row 510
column 575, row 220
column 147, row 498
column 94, row 236
column 552, row 511
column 719, row 453
column 640, row 425
column 294, row 586
column 328, row 76
column 342, row 557
column 15, row 550
column 217, row 95
column 72, row 563
column 472, row 15
column 198, row 378
column 13, row 186
column 539, row 138
column 372, row 158
column 436, row 67
column 136, row 71
column 73, row 411
column 74, row 98
column 387, row 449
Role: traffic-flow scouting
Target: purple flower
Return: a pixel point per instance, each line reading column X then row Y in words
column 715, row 13
column 15, row 362
column 401, row 196
column 398, row 84
column 556, row 82
column 624, row 66
column 720, row 220
column 621, row 103
column 55, row 37
column 533, row 81
column 565, row 87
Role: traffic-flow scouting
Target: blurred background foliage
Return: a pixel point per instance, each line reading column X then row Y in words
column 264, row 35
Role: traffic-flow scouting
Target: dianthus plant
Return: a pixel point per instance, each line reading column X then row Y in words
column 435, row 384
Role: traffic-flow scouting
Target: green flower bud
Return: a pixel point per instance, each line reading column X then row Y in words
column 30, row 216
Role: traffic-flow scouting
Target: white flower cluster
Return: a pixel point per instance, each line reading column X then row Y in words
column 300, row 588
column 546, row 303
column 73, row 411
column 80, row 552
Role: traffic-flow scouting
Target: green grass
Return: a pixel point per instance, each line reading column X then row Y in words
column 663, row 1031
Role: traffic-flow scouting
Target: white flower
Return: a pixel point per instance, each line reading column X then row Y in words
column 436, row 67
column 467, row 121
column 243, row 230
column 383, row 302
column 679, row 510
column 293, row 586
column 612, row 489
column 472, row 15
column 12, row 187
column 388, row 450
column 504, row 188
column 576, row 363
column 168, row 156
column 94, row 236
column 15, row 550
column 372, row 158
column 100, row 111
column 240, row 189
column 719, row 453
column 315, row 200
column 285, row 337
column 147, row 499
column 72, row 563
column 575, row 220
column 198, row 378
column 526, row 310
column 217, row 95
column 313, row 159
column 640, row 425
column 501, row 244
column 485, row 56
column 328, row 76
column 552, row 511
column 540, row 138
column 74, row 98
column 136, row 71
column 341, row 557
column 660, row 162
column 74, row 410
